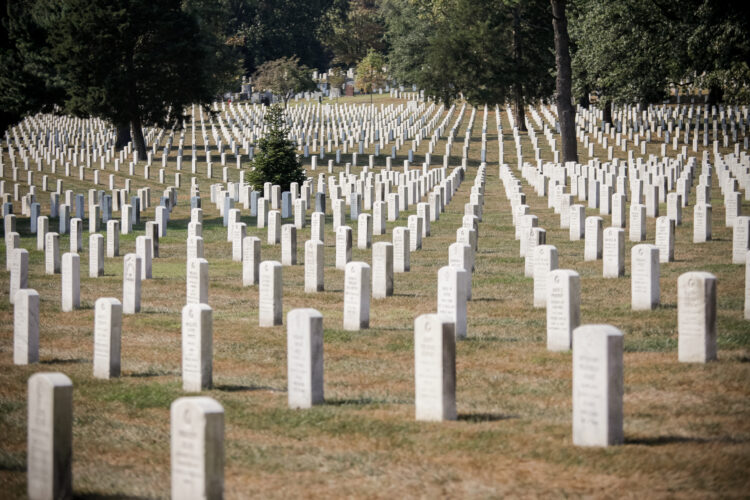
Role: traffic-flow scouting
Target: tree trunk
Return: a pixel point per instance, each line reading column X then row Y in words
column 584, row 100
column 606, row 111
column 123, row 135
column 715, row 94
column 518, row 109
column 565, row 111
column 517, row 89
column 139, row 143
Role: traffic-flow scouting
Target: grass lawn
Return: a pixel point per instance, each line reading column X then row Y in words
column 687, row 426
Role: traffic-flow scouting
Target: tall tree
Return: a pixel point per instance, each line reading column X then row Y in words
column 487, row 51
column 352, row 28
column 140, row 62
column 633, row 50
column 276, row 160
column 271, row 29
column 371, row 72
column 284, row 77
column 411, row 32
column 26, row 83
column 563, row 92
column 624, row 52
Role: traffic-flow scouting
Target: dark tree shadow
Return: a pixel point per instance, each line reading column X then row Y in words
column 353, row 401
column 484, row 417
column 100, row 496
column 59, row 361
column 244, row 388
column 665, row 440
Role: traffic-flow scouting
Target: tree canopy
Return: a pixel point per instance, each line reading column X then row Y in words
column 483, row 50
column 352, row 29
column 284, row 77
column 633, row 50
column 137, row 62
column 371, row 72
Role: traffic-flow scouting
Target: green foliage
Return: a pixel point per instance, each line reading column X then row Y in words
column 623, row 50
column 140, row 62
column 276, row 160
column 352, row 29
column 26, row 84
column 631, row 50
column 336, row 78
column 266, row 30
column 284, row 77
column 483, row 50
column 370, row 72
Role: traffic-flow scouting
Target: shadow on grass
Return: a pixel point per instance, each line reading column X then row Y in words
column 484, row 417
column 13, row 467
column 473, row 340
column 664, row 440
column 396, row 328
column 356, row 401
column 99, row 496
column 59, row 361
column 150, row 374
column 245, row 388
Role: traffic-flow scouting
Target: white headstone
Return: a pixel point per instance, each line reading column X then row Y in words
column 197, row 448
column 594, row 239
column 434, row 368
column 304, row 334
column 343, row 246
column 49, row 454
column 197, row 282
column 644, row 277
column 665, row 239
column 597, row 385
column 19, row 272
column 702, row 223
column 401, row 251
column 107, row 337
column 451, row 298
column 131, row 284
column 270, row 294
column 314, row 262
column 143, row 250
column 563, row 308
column 382, row 270
column 197, row 347
column 250, row 260
column 26, row 327
column 357, row 296
column 96, row 255
column 52, row 254
column 113, row 238
column 696, row 317
column 740, row 239
column 545, row 261
column 288, row 245
column 637, row 230
column 613, row 254
column 71, row 282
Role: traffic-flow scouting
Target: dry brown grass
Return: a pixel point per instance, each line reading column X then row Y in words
column 687, row 427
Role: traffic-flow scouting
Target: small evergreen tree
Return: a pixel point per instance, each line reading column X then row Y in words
column 276, row 160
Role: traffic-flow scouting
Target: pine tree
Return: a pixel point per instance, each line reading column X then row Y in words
column 276, row 160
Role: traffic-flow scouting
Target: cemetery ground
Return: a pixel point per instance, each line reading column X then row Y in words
column 686, row 425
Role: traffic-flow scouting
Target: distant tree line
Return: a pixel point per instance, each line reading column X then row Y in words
column 141, row 62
